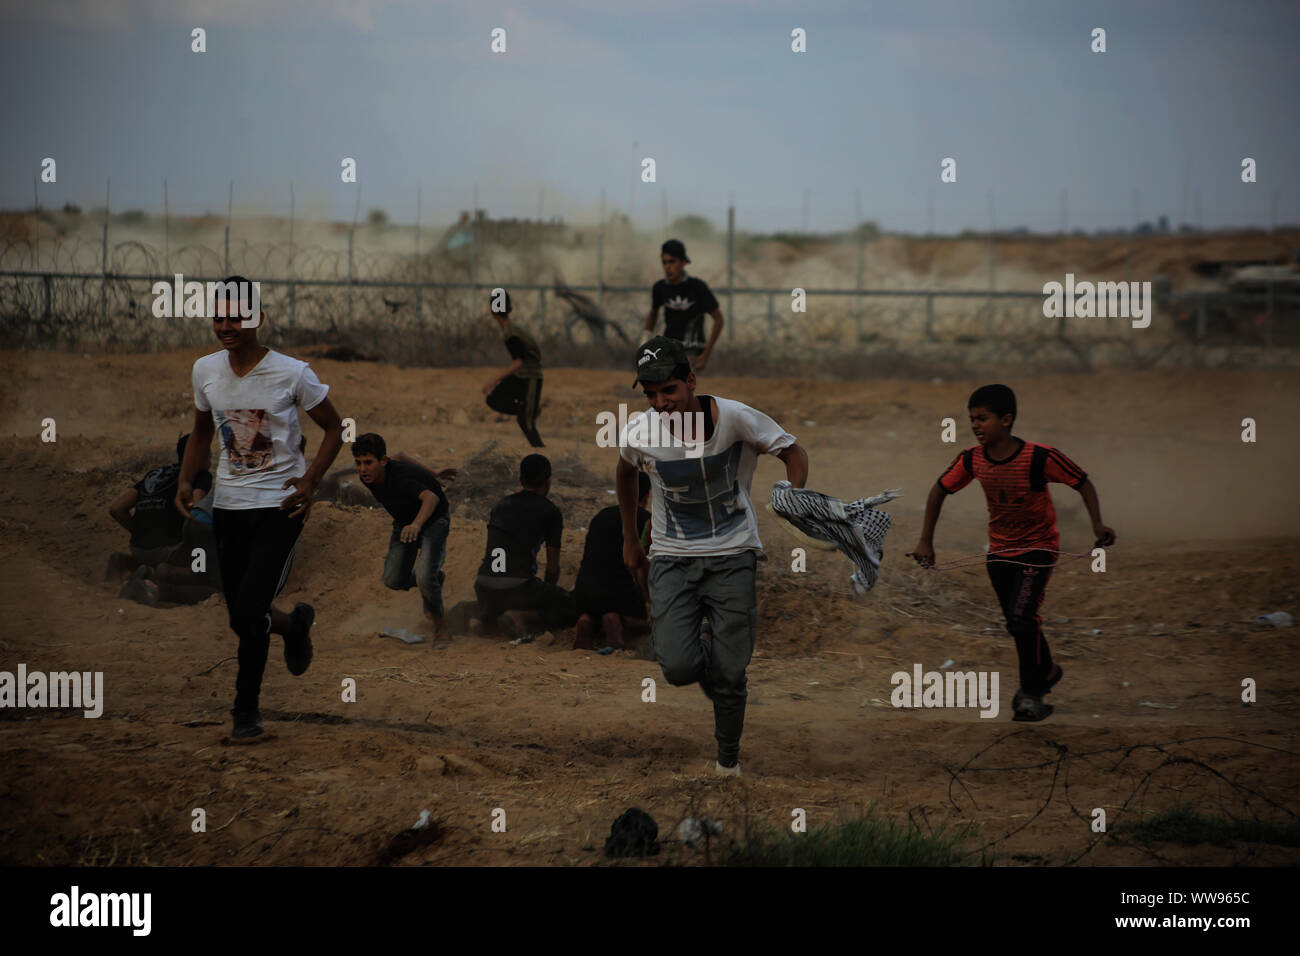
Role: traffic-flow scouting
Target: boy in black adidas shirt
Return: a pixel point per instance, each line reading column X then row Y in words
column 685, row 301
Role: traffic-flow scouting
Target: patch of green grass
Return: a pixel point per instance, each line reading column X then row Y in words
column 1183, row 825
column 870, row 840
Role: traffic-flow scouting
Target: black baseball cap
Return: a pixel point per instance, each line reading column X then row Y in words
column 658, row 359
column 674, row 248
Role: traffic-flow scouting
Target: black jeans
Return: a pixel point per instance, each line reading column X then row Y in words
column 255, row 548
column 1020, row 591
column 519, row 397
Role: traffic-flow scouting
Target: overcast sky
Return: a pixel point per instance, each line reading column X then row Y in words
column 709, row 89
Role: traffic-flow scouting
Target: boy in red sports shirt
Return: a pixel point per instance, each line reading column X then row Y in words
column 1023, row 540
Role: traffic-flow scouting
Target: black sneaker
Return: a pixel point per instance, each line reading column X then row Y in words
column 297, row 643
column 1026, row 708
column 248, row 723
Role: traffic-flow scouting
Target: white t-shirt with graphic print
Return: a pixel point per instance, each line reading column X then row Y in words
column 256, row 419
column 700, row 505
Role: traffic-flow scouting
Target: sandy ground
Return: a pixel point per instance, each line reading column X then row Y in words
column 560, row 740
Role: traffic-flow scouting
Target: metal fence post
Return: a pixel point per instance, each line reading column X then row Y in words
column 230, row 202
column 929, row 317
column 103, row 256
column 993, row 269
column 731, row 272
column 600, row 254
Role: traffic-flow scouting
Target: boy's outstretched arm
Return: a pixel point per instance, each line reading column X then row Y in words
column 1105, row 535
column 625, row 483
column 795, row 459
column 924, row 550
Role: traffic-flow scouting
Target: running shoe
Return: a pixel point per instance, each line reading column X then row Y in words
column 1026, row 708
column 248, row 723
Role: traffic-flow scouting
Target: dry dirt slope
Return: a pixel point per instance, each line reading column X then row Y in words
column 561, row 740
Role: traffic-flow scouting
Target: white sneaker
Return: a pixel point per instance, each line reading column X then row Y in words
column 722, row 771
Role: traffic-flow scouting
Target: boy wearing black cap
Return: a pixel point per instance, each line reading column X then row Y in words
column 685, row 301
column 704, row 534
column 518, row 389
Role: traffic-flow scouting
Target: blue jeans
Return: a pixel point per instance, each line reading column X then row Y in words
column 402, row 571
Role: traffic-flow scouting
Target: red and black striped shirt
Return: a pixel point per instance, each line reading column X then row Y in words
column 1021, row 515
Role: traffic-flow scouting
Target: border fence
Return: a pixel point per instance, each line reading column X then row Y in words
column 428, row 307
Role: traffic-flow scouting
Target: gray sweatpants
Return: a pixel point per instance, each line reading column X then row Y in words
column 682, row 592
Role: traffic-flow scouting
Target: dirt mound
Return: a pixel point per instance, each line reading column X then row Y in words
column 490, row 474
column 1154, row 649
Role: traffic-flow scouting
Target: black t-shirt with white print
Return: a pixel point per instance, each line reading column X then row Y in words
column 155, row 522
column 685, row 305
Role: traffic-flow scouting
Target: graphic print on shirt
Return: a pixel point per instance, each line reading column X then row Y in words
column 246, row 439
column 702, row 495
column 158, row 479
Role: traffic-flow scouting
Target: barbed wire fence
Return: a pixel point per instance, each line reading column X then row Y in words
column 428, row 307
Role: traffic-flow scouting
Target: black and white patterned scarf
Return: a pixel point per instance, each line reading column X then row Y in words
column 856, row 528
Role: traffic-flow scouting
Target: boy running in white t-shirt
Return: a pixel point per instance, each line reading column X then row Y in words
column 252, row 396
column 704, row 535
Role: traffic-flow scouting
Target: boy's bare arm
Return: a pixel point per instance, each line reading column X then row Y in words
column 924, row 550
column 428, row 505
column 1105, row 535
column 795, row 458
column 702, row 362
column 196, row 451
column 625, row 482
column 121, row 507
